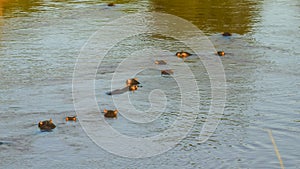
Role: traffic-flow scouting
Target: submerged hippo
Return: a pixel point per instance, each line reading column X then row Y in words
column 110, row 113
column 226, row 34
column 111, row 4
column 221, row 53
column 46, row 125
column 133, row 88
column 71, row 118
column 133, row 81
column 160, row 62
column 183, row 54
column 167, row 72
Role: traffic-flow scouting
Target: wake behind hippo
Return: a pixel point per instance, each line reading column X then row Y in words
column 123, row 90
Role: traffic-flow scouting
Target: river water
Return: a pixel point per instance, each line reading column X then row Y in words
column 40, row 42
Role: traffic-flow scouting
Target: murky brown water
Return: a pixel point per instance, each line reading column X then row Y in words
column 41, row 40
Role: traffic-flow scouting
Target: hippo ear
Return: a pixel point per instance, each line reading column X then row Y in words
column 116, row 111
column 135, row 79
column 40, row 123
column 50, row 120
column 105, row 111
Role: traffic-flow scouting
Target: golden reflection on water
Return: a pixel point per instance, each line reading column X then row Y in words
column 213, row 15
column 2, row 2
column 13, row 8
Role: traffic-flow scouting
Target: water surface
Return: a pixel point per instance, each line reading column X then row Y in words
column 41, row 40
